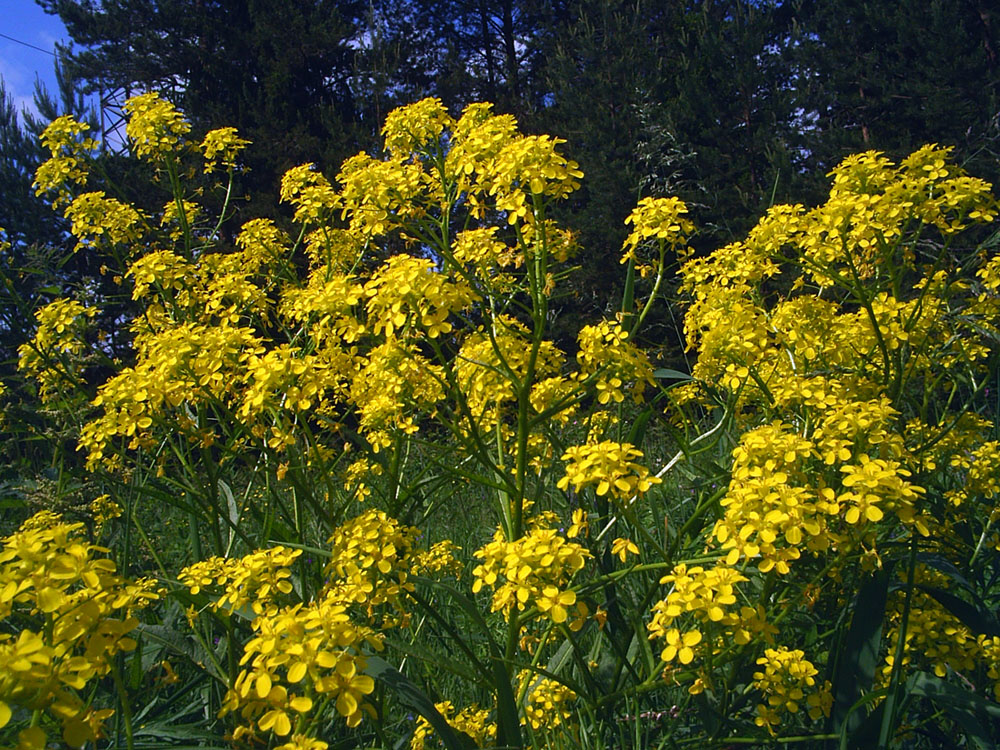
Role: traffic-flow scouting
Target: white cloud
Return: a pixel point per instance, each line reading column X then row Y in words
column 19, row 79
column 46, row 40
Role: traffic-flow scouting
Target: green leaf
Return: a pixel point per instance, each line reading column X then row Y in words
column 412, row 697
column 232, row 507
column 945, row 567
column 926, row 685
column 164, row 730
column 638, row 432
column 134, row 673
column 508, row 723
column 865, row 734
column 440, row 661
column 859, row 657
column 628, row 298
column 974, row 618
column 181, row 644
column 560, row 658
column 962, row 705
column 665, row 373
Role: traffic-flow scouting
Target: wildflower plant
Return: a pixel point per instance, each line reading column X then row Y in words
column 325, row 401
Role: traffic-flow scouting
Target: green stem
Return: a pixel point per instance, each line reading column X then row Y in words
column 123, row 702
column 888, row 714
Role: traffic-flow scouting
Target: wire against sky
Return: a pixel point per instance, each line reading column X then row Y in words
column 40, row 49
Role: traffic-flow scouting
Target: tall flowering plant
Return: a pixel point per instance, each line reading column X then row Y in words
column 794, row 540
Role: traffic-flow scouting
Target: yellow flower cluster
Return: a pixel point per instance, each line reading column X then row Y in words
column 63, row 138
column 72, row 614
column 557, row 397
column 260, row 242
column 373, row 555
column 610, row 468
column 61, row 325
column 256, row 579
column 875, row 481
column 415, row 127
column 200, row 338
column 155, row 127
column 380, row 196
column 662, row 219
column 98, row 220
column 481, row 249
column 188, row 363
column 782, row 499
column 301, row 656
column 708, row 596
column 356, row 477
column 327, row 301
column 103, row 509
column 389, row 386
column 787, row 679
column 771, row 508
column 162, row 270
column 179, row 217
column 310, row 192
column 440, row 558
column 935, row 638
column 616, row 363
column 533, row 571
column 406, row 293
column 490, row 363
column 306, row 655
column 284, row 377
column 530, row 167
column 982, row 474
column 222, row 146
column 545, row 702
column 472, row 720
column 870, row 224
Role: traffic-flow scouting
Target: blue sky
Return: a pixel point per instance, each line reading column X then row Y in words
column 19, row 64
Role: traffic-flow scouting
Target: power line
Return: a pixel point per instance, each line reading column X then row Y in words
column 46, row 51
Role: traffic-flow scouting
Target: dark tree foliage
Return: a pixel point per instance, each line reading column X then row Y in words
column 26, row 218
column 35, row 268
column 730, row 104
column 491, row 51
column 893, row 75
column 661, row 98
column 280, row 72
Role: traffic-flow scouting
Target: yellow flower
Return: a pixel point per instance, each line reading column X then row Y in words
column 661, row 219
column 579, row 525
column 622, row 548
column 74, row 616
column 222, row 145
column 155, row 128
column 99, row 221
column 680, row 646
column 609, row 467
column 533, row 570
column 786, row 681
column 528, row 168
column 606, row 353
column 415, row 126
column 310, row 192
column 546, row 701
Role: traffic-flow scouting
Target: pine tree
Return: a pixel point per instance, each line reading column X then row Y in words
column 893, row 76
column 279, row 72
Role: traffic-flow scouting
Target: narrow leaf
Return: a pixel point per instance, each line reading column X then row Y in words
column 974, row 618
column 414, row 698
column 860, row 656
column 665, row 373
